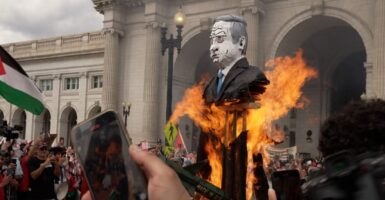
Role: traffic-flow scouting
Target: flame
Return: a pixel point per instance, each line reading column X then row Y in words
column 209, row 119
column 214, row 156
column 287, row 76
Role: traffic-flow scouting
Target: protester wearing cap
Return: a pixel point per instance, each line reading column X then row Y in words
column 43, row 169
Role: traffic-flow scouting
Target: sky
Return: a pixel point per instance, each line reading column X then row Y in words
column 23, row 20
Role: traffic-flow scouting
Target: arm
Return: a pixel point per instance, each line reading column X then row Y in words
column 5, row 181
column 37, row 172
column 34, row 147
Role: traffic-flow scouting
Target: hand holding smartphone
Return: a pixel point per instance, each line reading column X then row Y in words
column 102, row 146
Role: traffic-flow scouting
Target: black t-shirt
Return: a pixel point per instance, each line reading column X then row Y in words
column 43, row 187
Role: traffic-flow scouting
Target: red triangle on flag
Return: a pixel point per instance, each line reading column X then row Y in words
column 2, row 70
column 179, row 142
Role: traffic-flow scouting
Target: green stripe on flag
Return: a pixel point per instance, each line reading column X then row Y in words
column 21, row 99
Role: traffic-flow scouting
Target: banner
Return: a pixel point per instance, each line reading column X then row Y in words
column 283, row 153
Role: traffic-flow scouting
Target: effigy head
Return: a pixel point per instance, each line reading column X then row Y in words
column 228, row 39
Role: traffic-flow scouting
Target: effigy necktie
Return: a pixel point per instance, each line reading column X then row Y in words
column 220, row 81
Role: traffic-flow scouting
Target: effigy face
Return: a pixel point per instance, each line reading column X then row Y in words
column 223, row 51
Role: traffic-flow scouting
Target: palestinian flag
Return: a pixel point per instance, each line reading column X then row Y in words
column 16, row 87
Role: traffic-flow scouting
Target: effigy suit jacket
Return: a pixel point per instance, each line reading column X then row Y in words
column 242, row 84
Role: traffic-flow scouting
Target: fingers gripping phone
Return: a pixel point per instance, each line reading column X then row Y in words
column 102, row 146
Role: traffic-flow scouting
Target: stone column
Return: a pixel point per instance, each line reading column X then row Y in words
column 111, row 66
column 55, row 112
column 369, row 79
column 379, row 49
column 30, row 123
column 83, row 86
column 151, row 83
column 251, row 16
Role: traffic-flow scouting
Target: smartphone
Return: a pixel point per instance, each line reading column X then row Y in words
column 101, row 144
column 287, row 185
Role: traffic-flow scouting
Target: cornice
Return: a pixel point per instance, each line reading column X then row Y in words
column 113, row 31
column 100, row 5
column 59, row 55
column 271, row 1
column 152, row 24
column 80, row 44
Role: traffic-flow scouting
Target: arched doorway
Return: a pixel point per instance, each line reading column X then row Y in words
column 337, row 51
column 68, row 120
column 46, row 121
column 191, row 65
column 19, row 118
column 43, row 123
column 94, row 111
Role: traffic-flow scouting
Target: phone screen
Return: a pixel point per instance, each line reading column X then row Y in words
column 102, row 147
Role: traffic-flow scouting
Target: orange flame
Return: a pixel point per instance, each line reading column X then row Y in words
column 214, row 156
column 287, row 76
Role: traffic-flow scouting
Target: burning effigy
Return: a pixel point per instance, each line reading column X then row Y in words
column 235, row 110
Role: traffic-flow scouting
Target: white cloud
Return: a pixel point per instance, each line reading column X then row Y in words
column 22, row 20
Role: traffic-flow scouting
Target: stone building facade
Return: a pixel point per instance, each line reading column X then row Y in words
column 343, row 39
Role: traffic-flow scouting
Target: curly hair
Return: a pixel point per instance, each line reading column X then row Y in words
column 360, row 127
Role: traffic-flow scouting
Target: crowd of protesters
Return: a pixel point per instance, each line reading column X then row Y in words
column 31, row 170
column 305, row 166
column 34, row 170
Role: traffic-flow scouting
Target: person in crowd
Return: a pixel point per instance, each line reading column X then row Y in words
column 61, row 143
column 43, row 168
column 360, row 127
column 59, row 152
column 8, row 184
column 355, row 136
column 24, row 182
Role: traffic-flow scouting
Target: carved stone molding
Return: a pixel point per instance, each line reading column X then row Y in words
column 112, row 31
column 57, row 76
column 11, row 49
column 69, row 93
column 100, row 5
column 368, row 66
column 317, row 7
column 33, row 77
column 47, row 93
column 253, row 9
column 83, row 74
column 34, row 45
column 206, row 23
column 153, row 25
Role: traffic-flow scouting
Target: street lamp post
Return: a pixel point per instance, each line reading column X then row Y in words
column 170, row 44
column 126, row 111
